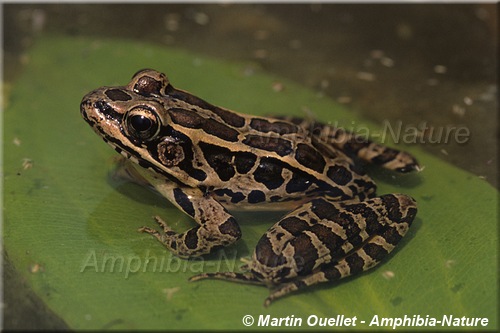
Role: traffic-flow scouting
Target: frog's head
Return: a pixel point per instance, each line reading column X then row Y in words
column 133, row 119
column 132, row 111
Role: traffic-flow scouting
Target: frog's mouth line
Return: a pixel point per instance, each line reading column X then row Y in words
column 130, row 154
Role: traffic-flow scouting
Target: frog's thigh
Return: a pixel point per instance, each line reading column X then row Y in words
column 401, row 210
column 354, row 263
column 217, row 228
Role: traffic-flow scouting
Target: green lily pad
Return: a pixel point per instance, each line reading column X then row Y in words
column 70, row 227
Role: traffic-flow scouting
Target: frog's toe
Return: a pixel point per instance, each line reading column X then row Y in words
column 245, row 277
column 160, row 221
column 151, row 231
column 217, row 275
column 166, row 230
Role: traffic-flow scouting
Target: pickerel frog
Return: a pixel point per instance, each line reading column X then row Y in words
column 207, row 159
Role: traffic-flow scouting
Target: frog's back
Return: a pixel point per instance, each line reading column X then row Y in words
column 280, row 160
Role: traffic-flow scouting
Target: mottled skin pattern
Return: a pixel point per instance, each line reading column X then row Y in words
column 205, row 159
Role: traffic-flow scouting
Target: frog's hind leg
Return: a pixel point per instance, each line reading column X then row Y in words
column 371, row 253
column 355, row 145
column 353, row 264
column 371, row 152
column 229, row 276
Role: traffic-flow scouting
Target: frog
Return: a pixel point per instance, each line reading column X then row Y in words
column 209, row 160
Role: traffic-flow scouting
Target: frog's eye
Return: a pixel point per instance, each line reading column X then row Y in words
column 149, row 82
column 142, row 123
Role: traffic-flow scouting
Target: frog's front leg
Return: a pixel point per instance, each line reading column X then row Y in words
column 217, row 228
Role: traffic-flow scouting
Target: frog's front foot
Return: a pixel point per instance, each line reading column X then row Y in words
column 161, row 237
column 174, row 241
column 194, row 242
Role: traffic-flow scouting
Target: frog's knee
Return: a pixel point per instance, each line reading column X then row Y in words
column 400, row 207
column 230, row 229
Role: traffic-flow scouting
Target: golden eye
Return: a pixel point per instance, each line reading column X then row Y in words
column 142, row 123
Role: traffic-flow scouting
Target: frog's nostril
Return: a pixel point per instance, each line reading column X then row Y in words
column 84, row 105
column 103, row 107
